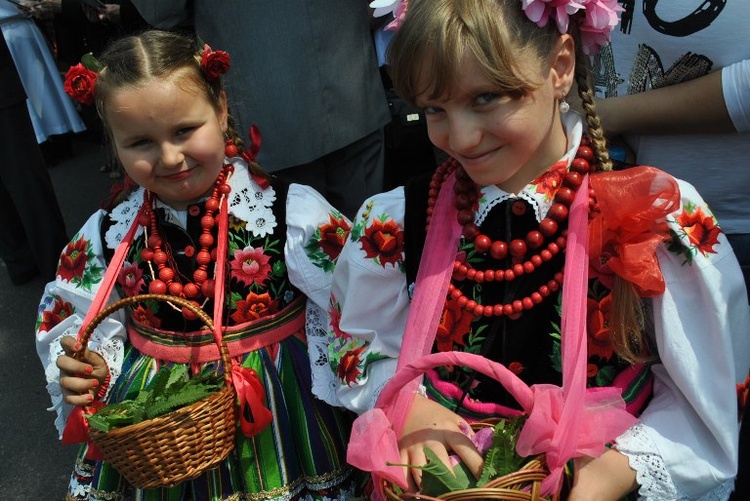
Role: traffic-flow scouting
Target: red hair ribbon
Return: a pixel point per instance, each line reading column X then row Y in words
column 250, row 155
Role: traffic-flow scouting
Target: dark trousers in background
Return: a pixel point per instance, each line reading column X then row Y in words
column 32, row 229
column 345, row 177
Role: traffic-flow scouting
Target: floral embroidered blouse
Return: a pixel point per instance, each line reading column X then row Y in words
column 687, row 431
column 283, row 240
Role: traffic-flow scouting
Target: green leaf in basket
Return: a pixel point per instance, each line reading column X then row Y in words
column 189, row 395
column 502, row 458
column 168, row 390
column 112, row 416
column 438, row 479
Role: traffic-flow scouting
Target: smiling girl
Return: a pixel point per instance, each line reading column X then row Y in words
column 161, row 100
column 665, row 310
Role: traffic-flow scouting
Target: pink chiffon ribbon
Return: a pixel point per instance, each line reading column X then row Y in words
column 562, row 423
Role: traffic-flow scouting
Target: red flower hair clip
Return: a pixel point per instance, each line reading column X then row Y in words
column 80, row 80
column 214, row 62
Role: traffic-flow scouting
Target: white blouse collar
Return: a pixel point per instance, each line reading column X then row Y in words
column 492, row 195
column 247, row 202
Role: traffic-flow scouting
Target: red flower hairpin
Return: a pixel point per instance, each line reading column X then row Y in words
column 80, row 80
column 214, row 63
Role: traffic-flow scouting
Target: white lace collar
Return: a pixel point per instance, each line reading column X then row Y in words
column 247, row 202
column 492, row 195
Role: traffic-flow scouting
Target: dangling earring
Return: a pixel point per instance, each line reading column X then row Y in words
column 563, row 106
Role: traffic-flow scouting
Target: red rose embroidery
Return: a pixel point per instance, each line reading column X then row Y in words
column 130, row 279
column 384, row 241
column 253, row 307
column 79, row 84
column 250, row 266
column 333, row 236
column 597, row 325
column 214, row 63
column 701, row 230
column 348, row 365
column 73, row 260
column 455, row 323
column 550, row 181
column 60, row 311
column 145, row 316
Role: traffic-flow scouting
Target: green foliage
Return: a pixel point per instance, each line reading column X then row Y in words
column 502, row 458
column 169, row 390
column 438, row 479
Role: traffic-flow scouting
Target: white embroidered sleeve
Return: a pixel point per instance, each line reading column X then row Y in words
column 369, row 305
column 63, row 308
column 686, row 443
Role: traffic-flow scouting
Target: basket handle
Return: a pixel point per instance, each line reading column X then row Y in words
column 97, row 310
column 512, row 383
column 89, row 328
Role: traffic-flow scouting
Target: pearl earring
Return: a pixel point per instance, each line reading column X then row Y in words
column 564, row 106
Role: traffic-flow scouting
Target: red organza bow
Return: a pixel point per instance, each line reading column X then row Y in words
column 254, row 415
column 77, row 429
column 631, row 223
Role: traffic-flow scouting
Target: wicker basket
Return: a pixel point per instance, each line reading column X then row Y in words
column 522, row 485
column 179, row 446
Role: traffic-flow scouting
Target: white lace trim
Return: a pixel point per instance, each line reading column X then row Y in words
column 111, row 350
column 493, row 196
column 251, row 203
column 655, row 482
column 247, row 201
column 123, row 216
column 324, row 383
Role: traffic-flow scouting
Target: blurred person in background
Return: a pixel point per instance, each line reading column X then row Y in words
column 53, row 114
column 306, row 74
column 32, row 229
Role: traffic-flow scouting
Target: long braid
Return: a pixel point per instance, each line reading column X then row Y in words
column 627, row 319
column 595, row 130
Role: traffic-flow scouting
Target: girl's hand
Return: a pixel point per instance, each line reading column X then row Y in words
column 80, row 378
column 606, row 478
column 429, row 424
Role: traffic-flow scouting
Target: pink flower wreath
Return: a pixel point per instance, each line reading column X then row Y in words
column 599, row 21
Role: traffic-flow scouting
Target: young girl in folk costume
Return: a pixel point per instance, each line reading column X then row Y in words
column 661, row 294
column 163, row 105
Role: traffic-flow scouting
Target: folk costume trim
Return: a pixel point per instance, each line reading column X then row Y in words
column 260, row 219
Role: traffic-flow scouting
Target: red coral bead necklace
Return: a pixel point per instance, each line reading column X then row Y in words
column 166, row 278
column 466, row 197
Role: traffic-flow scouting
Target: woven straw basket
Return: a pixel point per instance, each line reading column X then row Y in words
column 522, row 485
column 179, row 446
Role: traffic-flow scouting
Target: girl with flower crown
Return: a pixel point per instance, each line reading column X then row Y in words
column 165, row 112
column 521, row 243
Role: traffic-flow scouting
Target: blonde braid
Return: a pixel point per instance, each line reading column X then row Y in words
column 627, row 321
column 596, row 132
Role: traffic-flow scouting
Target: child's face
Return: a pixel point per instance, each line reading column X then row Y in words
column 498, row 139
column 169, row 139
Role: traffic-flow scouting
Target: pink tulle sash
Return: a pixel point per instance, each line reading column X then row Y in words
column 562, row 422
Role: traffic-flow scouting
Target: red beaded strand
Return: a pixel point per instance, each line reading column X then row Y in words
column 158, row 251
column 466, row 197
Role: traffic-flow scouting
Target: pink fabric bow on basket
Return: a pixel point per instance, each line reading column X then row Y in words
column 562, row 422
